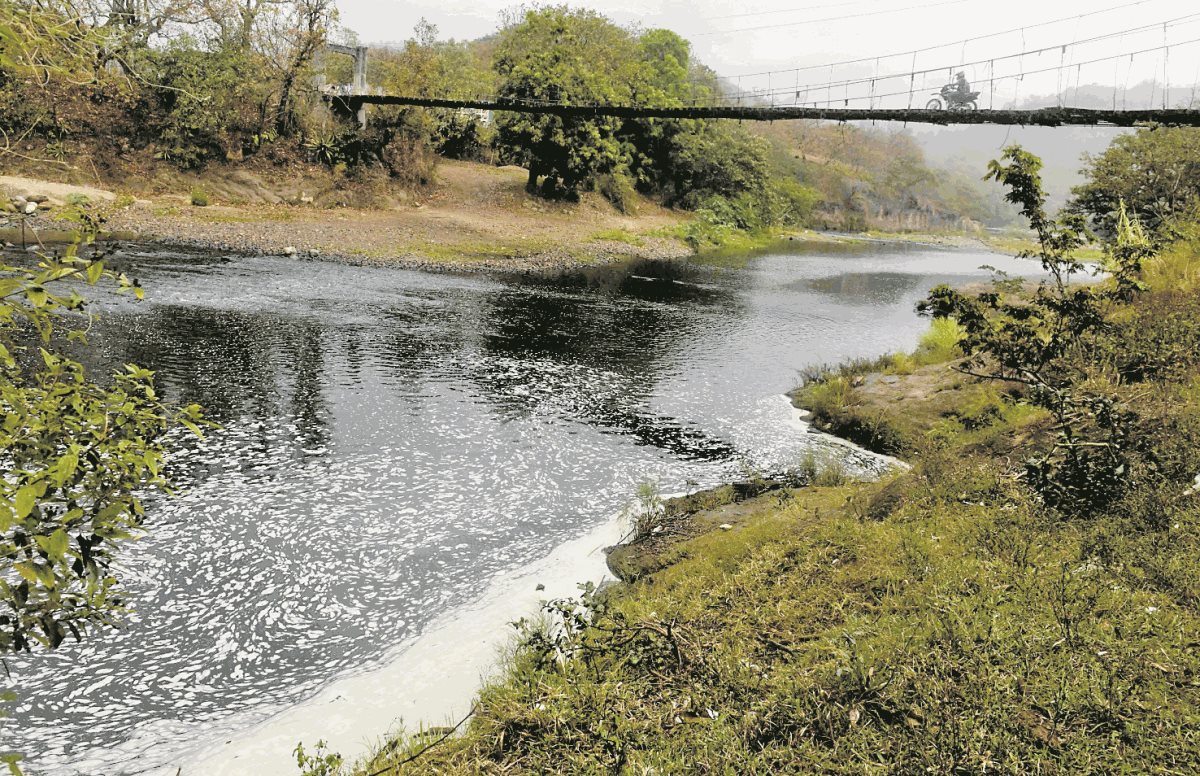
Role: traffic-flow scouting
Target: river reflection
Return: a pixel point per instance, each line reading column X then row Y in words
column 391, row 440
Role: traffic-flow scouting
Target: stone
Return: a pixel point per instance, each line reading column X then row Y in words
column 289, row 250
column 38, row 198
column 44, row 206
column 725, row 527
column 30, row 208
column 313, row 252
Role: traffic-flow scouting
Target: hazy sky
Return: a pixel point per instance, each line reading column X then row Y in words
column 739, row 40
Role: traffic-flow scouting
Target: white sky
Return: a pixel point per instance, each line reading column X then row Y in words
column 818, row 32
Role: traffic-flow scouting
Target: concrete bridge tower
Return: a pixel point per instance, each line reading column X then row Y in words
column 358, row 82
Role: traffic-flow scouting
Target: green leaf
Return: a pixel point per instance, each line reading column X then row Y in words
column 36, row 295
column 66, row 467
column 27, row 570
column 58, row 545
column 11, row 759
column 24, row 501
column 95, row 271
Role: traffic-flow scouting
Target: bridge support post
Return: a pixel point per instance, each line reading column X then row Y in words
column 359, row 83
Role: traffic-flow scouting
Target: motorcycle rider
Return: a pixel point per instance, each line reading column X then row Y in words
column 961, row 85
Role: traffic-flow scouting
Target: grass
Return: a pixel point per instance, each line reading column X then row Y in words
column 1176, row 269
column 941, row 620
column 950, row 631
column 618, row 235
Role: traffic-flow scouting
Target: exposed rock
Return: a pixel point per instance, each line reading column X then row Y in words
column 30, row 208
column 289, row 250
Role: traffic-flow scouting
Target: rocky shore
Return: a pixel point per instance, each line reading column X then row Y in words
column 477, row 218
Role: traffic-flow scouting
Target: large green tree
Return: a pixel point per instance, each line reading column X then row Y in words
column 1155, row 172
column 563, row 56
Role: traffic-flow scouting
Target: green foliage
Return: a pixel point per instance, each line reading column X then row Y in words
column 562, row 56
column 1176, row 266
column 319, row 762
column 719, row 160
column 1155, row 172
column 207, row 102
column 76, row 456
column 646, row 514
column 1051, row 345
column 199, row 198
column 617, row 188
column 941, row 342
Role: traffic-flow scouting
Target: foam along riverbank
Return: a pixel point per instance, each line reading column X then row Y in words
column 432, row 679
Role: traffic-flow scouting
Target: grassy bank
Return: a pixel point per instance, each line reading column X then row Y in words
column 954, row 618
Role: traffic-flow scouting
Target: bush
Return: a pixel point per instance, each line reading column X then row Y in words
column 940, row 343
column 618, row 189
column 1058, row 347
column 206, row 103
column 199, row 198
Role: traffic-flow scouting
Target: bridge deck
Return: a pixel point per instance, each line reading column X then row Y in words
column 1048, row 117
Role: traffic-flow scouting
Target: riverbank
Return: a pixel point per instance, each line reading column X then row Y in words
column 940, row 620
column 473, row 217
column 428, row 682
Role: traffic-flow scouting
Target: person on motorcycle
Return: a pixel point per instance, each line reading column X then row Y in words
column 961, row 84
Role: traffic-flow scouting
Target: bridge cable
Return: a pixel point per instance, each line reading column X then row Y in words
column 846, row 17
column 973, row 39
column 1189, row 18
column 1106, row 36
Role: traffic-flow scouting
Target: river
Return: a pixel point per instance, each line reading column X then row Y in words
column 393, row 442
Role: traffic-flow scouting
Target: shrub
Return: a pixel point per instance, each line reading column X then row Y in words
column 199, row 198
column 618, row 189
column 828, row 396
column 1054, row 346
column 940, row 343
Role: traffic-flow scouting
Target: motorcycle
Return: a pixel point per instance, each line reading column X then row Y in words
column 951, row 98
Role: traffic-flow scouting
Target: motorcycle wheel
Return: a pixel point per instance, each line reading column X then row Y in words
column 934, row 104
column 972, row 105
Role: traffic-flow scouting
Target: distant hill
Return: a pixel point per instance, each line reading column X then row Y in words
column 1061, row 148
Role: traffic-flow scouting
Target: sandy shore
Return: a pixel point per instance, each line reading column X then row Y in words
column 431, row 679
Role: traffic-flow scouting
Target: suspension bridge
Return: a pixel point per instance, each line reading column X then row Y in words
column 877, row 90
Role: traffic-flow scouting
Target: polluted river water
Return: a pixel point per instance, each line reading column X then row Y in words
column 403, row 458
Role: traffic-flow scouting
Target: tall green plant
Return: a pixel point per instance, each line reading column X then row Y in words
column 1052, row 343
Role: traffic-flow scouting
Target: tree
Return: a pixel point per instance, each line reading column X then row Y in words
column 302, row 32
column 563, row 56
column 1155, row 172
column 76, row 456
